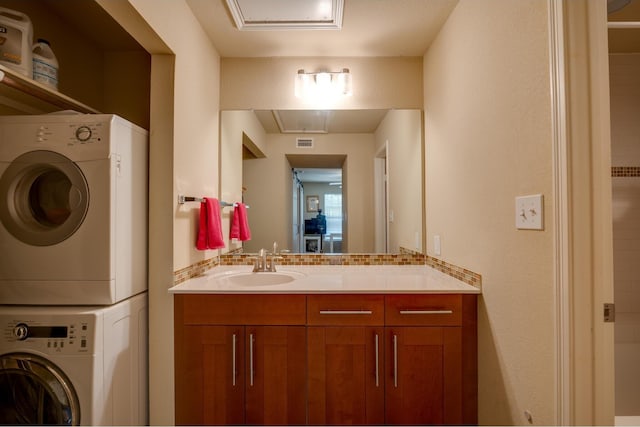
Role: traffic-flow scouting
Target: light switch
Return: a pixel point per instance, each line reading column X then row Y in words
column 529, row 213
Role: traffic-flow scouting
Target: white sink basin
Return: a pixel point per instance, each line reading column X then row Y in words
column 258, row 279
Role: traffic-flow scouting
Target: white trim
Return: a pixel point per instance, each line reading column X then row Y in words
column 561, row 213
column 380, row 200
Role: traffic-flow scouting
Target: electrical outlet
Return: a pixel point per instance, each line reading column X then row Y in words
column 529, row 212
column 437, row 249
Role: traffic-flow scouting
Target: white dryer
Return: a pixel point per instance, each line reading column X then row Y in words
column 74, row 365
column 73, row 209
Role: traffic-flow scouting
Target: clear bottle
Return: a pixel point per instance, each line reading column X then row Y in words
column 45, row 64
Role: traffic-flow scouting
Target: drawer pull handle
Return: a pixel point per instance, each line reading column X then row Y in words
column 346, row 312
column 426, row 311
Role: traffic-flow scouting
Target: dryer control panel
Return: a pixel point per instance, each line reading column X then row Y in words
column 48, row 334
column 79, row 140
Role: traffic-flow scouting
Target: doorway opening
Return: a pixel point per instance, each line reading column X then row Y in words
column 624, row 93
column 318, row 203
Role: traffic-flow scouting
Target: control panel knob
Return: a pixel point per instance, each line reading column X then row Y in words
column 21, row 331
column 83, row 133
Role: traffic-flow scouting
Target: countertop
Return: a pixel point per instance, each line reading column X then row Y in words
column 330, row 279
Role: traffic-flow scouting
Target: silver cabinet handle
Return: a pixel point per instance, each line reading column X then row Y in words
column 346, row 312
column 377, row 362
column 233, row 360
column 395, row 360
column 426, row 311
column 251, row 372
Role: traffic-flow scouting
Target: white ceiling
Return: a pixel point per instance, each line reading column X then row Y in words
column 369, row 28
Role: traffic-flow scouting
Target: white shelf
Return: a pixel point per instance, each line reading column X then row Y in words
column 28, row 96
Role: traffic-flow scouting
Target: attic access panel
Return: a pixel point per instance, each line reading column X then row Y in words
column 287, row 14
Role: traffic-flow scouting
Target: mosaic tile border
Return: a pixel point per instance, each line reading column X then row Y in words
column 410, row 258
column 625, row 171
column 462, row 274
column 195, row 270
column 330, row 259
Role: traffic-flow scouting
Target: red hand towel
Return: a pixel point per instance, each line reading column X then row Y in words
column 210, row 229
column 239, row 223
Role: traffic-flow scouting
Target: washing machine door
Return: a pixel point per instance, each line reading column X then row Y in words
column 35, row 391
column 47, row 198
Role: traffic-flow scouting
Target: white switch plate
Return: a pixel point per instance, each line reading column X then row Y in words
column 529, row 212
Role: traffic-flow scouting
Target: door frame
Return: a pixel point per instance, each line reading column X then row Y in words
column 582, row 211
column 381, row 199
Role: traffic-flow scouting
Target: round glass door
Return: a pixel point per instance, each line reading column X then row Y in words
column 35, row 391
column 46, row 196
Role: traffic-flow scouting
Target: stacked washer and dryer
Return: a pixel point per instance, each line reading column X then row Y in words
column 73, row 270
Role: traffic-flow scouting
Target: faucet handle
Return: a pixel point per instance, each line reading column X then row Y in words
column 256, row 263
column 272, row 263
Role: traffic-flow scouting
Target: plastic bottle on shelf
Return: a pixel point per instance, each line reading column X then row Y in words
column 45, row 64
column 16, row 38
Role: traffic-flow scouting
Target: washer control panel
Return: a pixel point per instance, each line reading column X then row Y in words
column 48, row 334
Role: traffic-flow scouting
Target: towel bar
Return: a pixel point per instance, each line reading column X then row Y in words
column 183, row 199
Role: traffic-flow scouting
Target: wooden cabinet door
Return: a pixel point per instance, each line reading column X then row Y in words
column 275, row 372
column 423, row 375
column 346, row 379
column 210, row 375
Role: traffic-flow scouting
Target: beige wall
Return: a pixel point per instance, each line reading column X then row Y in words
column 625, row 151
column 268, row 83
column 487, row 131
column 183, row 160
column 269, row 191
column 402, row 129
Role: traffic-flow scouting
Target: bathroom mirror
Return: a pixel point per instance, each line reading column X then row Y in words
column 361, row 170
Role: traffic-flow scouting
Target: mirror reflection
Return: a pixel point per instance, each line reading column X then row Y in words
column 341, row 181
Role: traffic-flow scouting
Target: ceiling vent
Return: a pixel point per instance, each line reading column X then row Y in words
column 287, row 14
column 304, row 142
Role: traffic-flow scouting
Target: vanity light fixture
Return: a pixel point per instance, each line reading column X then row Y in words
column 323, row 84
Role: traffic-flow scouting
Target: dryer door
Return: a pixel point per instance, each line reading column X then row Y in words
column 35, row 391
column 46, row 196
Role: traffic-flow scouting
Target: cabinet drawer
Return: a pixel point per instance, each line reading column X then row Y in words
column 198, row 309
column 423, row 310
column 345, row 310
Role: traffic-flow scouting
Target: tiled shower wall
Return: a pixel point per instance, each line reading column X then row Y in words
column 625, row 161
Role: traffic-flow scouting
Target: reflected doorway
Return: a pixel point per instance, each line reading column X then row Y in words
column 318, row 210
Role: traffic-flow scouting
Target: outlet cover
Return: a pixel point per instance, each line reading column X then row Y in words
column 529, row 212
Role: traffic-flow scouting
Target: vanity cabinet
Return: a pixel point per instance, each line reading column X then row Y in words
column 394, row 359
column 345, row 359
column 431, row 374
column 240, row 359
column 326, row 359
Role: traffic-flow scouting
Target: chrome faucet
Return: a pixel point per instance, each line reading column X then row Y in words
column 264, row 263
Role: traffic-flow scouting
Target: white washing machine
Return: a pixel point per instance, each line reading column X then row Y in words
column 74, row 365
column 73, row 209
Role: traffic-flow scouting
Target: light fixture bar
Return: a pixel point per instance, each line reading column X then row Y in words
column 323, row 84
